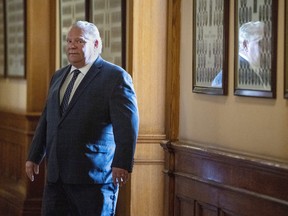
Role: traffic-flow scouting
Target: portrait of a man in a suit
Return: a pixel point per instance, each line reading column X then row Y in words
column 249, row 62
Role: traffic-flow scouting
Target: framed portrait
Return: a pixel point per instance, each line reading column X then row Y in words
column 108, row 16
column 210, row 46
column 15, row 38
column 70, row 11
column 255, row 48
column 110, row 20
column 2, row 40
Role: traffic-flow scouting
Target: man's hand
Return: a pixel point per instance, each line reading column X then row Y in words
column 120, row 176
column 31, row 169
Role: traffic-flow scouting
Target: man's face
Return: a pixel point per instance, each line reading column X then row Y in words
column 79, row 50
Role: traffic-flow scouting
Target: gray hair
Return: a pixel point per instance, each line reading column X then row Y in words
column 91, row 32
column 251, row 31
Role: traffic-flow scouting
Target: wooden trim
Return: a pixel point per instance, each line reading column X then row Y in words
column 169, row 180
column 17, row 194
column 151, row 138
column 40, row 51
column 149, row 162
column 172, row 99
column 228, row 183
column 129, row 37
column 124, row 199
column 173, row 63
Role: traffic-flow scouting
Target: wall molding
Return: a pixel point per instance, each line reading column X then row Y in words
column 151, row 138
column 222, row 182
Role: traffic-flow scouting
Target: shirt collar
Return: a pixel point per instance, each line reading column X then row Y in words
column 83, row 70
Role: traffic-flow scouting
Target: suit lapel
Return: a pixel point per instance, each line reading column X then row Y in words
column 62, row 79
column 91, row 74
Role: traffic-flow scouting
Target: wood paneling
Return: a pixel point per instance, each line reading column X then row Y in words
column 144, row 193
column 216, row 182
column 41, row 51
column 148, row 64
column 173, row 64
column 147, row 191
column 17, row 195
column 172, row 94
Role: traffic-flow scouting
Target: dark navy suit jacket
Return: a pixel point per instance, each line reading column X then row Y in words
column 97, row 132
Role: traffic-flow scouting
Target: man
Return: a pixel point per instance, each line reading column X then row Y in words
column 250, row 35
column 89, row 136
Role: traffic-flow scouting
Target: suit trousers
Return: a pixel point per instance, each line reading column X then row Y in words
column 79, row 199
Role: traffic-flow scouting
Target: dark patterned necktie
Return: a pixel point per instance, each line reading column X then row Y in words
column 68, row 91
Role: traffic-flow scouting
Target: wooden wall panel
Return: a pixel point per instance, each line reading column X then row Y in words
column 41, row 51
column 147, row 191
column 17, row 195
column 215, row 182
column 172, row 94
column 148, row 65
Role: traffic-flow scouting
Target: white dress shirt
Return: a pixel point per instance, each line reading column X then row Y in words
column 81, row 75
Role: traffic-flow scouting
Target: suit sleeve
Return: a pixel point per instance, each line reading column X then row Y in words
column 125, row 121
column 38, row 145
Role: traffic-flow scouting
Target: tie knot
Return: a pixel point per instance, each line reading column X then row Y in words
column 76, row 72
